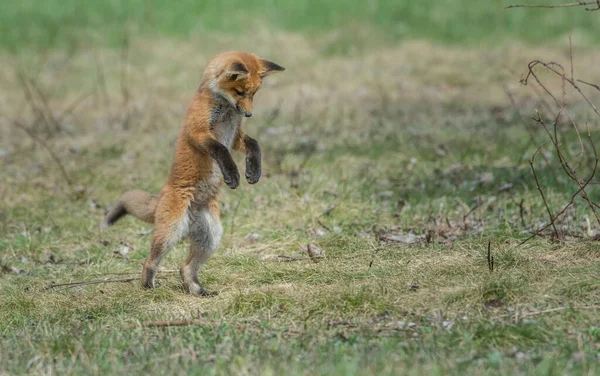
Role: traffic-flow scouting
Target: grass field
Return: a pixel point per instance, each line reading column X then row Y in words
column 356, row 23
column 401, row 158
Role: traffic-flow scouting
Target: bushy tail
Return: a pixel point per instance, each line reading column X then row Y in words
column 140, row 204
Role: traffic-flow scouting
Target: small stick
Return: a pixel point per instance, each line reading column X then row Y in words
column 84, row 283
column 172, row 323
column 53, row 155
column 311, row 253
column 522, row 212
column 590, row 84
column 160, row 271
column 550, row 310
column 571, row 55
column 323, row 225
column 578, row 4
column 328, row 210
column 477, row 205
column 284, row 258
column 490, row 258
column 537, row 183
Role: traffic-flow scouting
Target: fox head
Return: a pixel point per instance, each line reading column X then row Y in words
column 237, row 76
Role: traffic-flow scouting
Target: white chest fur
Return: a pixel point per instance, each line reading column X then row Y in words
column 225, row 122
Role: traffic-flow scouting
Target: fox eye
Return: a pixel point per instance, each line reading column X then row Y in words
column 238, row 92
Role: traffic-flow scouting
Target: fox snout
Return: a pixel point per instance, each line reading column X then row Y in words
column 242, row 111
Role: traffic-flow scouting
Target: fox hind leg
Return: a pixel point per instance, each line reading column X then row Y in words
column 205, row 238
column 171, row 224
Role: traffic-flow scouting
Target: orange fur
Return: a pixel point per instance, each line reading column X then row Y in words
column 212, row 128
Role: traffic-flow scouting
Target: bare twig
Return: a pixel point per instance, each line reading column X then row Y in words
column 84, row 283
column 284, row 258
column 323, row 225
column 597, row 87
column 43, row 143
column 529, row 130
column 477, row 205
column 490, row 257
column 40, row 113
column 552, row 67
column 537, row 183
column 173, row 323
column 549, row 310
column 522, row 212
column 570, row 168
column 328, row 210
column 596, row 3
column 571, row 55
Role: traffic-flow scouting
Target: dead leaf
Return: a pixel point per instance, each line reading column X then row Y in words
column 253, row 237
column 282, row 258
column 411, row 164
column 313, row 251
column 505, row 187
column 93, row 205
column 123, row 251
column 407, row 238
column 14, row 270
column 317, row 232
column 486, row 178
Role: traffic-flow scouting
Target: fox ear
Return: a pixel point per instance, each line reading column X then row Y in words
column 237, row 71
column 269, row 67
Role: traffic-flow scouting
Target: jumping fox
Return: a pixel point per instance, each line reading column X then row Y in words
column 187, row 203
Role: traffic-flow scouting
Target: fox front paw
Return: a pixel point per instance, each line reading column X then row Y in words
column 252, row 170
column 231, row 178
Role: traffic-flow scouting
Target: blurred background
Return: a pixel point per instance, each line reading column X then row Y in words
column 396, row 107
column 378, row 96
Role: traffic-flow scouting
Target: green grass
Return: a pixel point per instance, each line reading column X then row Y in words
column 408, row 138
column 357, row 23
column 330, row 350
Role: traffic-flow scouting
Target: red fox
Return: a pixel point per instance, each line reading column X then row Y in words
column 187, row 203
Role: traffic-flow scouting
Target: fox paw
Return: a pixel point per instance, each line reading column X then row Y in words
column 232, row 179
column 197, row 290
column 252, row 170
column 203, row 292
column 150, row 284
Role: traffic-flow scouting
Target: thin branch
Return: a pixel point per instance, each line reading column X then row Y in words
column 597, row 87
column 490, row 257
column 323, row 225
column 550, row 310
column 529, row 131
column 552, row 67
column 43, row 143
column 41, row 114
column 577, row 4
column 537, row 183
column 569, row 170
column 522, row 212
column 173, row 323
column 84, row 283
